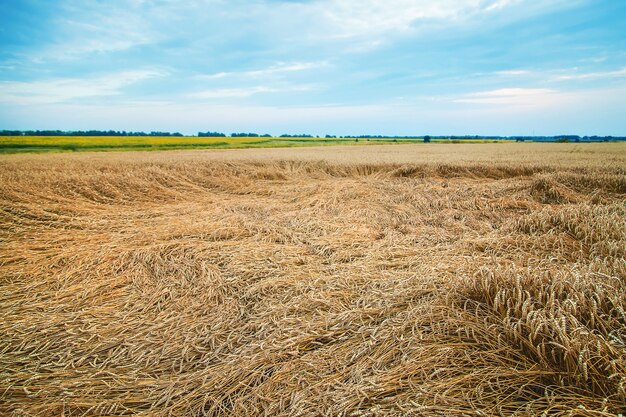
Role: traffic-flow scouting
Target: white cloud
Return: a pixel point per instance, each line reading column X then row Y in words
column 243, row 92
column 512, row 73
column 118, row 25
column 500, row 4
column 511, row 96
column 356, row 18
column 231, row 92
column 594, row 75
column 279, row 68
column 67, row 89
column 367, row 17
column 83, row 28
column 208, row 25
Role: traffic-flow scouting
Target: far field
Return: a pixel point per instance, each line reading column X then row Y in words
column 430, row 280
column 19, row 144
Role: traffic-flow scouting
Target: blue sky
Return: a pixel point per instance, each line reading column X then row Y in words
column 393, row 67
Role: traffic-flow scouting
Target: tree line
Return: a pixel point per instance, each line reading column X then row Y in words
column 425, row 138
column 84, row 133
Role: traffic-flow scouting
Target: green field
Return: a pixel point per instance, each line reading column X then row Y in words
column 19, row 144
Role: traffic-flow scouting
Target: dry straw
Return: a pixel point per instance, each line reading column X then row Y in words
column 156, row 285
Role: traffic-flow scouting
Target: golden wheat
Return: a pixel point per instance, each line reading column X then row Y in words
column 355, row 282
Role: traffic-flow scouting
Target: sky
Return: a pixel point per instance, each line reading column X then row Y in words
column 341, row 67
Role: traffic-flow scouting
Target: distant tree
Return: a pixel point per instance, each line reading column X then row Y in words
column 85, row 133
column 244, row 135
column 567, row 138
column 426, row 139
column 211, row 135
column 285, row 135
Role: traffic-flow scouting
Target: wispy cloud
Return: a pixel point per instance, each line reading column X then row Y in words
column 62, row 90
column 512, row 73
column 621, row 73
column 355, row 18
column 244, row 92
column 510, row 96
column 277, row 69
column 371, row 18
column 500, row 4
column 231, row 92
column 86, row 28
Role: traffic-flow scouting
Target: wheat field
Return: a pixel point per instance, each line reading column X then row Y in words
column 408, row 280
